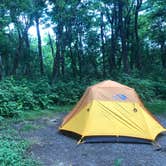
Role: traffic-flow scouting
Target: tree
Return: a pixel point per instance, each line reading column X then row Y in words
column 38, row 10
column 137, row 42
column 157, row 16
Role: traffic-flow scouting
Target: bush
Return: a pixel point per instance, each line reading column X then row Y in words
column 17, row 96
column 147, row 89
column 41, row 92
column 12, row 152
column 66, row 93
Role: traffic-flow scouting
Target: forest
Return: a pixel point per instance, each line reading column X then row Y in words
column 75, row 44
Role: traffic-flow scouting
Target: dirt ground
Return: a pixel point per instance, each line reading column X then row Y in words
column 52, row 148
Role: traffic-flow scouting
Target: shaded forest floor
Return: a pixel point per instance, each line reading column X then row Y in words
column 51, row 148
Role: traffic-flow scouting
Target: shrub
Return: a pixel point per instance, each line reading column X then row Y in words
column 12, row 152
column 17, row 96
column 147, row 89
column 66, row 93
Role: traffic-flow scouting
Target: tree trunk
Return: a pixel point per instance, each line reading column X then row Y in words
column 79, row 56
column 93, row 61
column 73, row 62
column 113, row 41
column 57, row 57
column 51, row 45
column 62, row 60
column 55, row 73
column 123, row 37
column 137, row 47
column 102, row 43
column 113, row 22
column 39, row 46
column 18, row 53
column 27, row 54
column 132, row 48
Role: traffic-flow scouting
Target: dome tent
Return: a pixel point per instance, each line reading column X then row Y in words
column 111, row 112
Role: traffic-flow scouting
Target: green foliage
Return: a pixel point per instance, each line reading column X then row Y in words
column 18, row 96
column 67, row 93
column 147, row 89
column 41, row 91
column 157, row 106
column 12, row 151
column 118, row 162
column 1, row 119
column 15, row 98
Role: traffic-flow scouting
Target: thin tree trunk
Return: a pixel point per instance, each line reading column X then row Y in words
column 73, row 62
column 80, row 50
column 27, row 58
column 62, row 60
column 94, row 64
column 132, row 57
column 55, row 73
column 79, row 59
column 113, row 45
column 113, row 21
column 57, row 57
column 123, row 38
column 137, row 50
column 39, row 46
column 127, row 27
column 18, row 53
column 102, row 43
column 51, row 45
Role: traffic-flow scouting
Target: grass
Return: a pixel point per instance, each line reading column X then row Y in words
column 118, row 162
column 32, row 115
column 29, row 127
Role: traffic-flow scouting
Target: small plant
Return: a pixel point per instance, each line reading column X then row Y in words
column 13, row 150
column 118, row 162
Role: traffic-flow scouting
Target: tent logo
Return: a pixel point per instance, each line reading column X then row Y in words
column 120, row 96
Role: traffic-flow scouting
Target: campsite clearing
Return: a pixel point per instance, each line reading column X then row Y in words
column 54, row 149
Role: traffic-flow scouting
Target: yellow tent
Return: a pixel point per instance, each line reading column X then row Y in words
column 111, row 112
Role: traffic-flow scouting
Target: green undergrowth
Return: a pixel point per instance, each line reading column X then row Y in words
column 14, row 150
column 32, row 115
column 157, row 107
column 118, row 162
column 30, row 127
column 19, row 97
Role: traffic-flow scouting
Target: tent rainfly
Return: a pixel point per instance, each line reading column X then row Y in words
column 111, row 112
